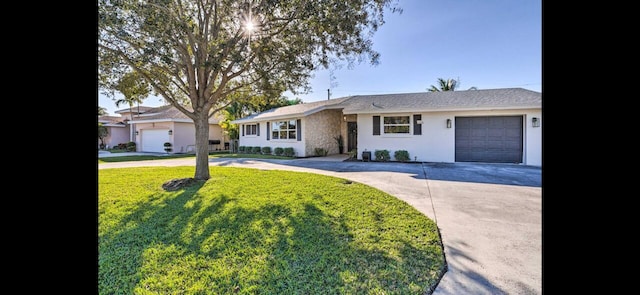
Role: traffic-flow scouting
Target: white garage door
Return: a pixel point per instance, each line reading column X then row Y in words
column 153, row 140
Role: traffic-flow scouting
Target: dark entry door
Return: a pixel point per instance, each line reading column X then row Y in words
column 352, row 136
column 489, row 139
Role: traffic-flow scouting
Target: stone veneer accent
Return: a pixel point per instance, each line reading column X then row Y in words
column 320, row 129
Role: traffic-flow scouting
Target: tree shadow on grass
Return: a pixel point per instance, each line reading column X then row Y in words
column 191, row 244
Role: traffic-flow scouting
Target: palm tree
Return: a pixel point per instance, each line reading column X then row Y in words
column 445, row 85
column 134, row 89
column 448, row 85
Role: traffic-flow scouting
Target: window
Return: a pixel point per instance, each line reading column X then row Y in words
column 396, row 124
column 251, row 129
column 283, row 129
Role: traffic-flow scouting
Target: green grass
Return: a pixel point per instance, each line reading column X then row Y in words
column 142, row 158
column 247, row 231
column 212, row 155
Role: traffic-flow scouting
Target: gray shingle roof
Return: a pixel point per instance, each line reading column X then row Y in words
column 111, row 119
column 303, row 109
column 506, row 98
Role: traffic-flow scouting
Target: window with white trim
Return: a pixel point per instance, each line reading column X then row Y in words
column 396, row 125
column 283, row 129
column 251, row 129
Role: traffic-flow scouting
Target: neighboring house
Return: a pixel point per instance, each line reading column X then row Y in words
column 155, row 126
column 492, row 125
column 117, row 128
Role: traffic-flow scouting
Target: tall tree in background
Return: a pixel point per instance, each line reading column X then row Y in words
column 101, row 111
column 198, row 52
column 103, row 132
column 242, row 107
column 134, row 88
column 448, row 85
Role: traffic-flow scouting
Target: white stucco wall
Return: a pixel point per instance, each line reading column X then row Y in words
column 261, row 141
column 184, row 135
column 437, row 142
column 533, row 141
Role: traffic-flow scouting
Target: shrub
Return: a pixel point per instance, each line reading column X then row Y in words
column 278, row 151
column 256, row 150
column 121, row 146
column 266, row 150
column 353, row 154
column 320, row 152
column 401, row 155
column 288, row 152
column 382, row 155
column 241, row 149
column 167, row 147
column 131, row 146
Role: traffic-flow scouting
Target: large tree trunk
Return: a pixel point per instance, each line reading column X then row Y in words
column 202, row 147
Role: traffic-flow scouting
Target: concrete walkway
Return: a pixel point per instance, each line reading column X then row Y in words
column 489, row 215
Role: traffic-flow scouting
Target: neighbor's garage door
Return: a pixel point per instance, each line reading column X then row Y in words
column 489, row 139
column 153, row 140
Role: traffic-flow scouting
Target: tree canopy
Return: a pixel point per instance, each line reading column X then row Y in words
column 199, row 52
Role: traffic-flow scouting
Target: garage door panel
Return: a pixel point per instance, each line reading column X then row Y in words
column 153, row 140
column 511, row 146
column 495, row 145
column 496, row 122
column 478, row 133
column 513, row 133
column 478, row 144
column 496, row 132
column 489, row 139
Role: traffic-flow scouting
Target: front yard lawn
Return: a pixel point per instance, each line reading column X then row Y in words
column 247, row 231
column 142, row 158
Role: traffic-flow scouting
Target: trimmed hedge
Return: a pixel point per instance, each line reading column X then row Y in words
column 401, row 155
column 131, row 146
column 382, row 155
column 288, row 152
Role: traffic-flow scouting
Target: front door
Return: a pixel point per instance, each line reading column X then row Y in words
column 352, row 136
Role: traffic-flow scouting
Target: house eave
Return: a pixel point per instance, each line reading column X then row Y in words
column 288, row 116
column 431, row 110
column 166, row 120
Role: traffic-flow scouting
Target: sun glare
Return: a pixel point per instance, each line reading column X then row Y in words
column 249, row 26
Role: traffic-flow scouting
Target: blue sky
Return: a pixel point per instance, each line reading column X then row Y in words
column 484, row 43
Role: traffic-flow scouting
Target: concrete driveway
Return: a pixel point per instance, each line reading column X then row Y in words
column 489, row 215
